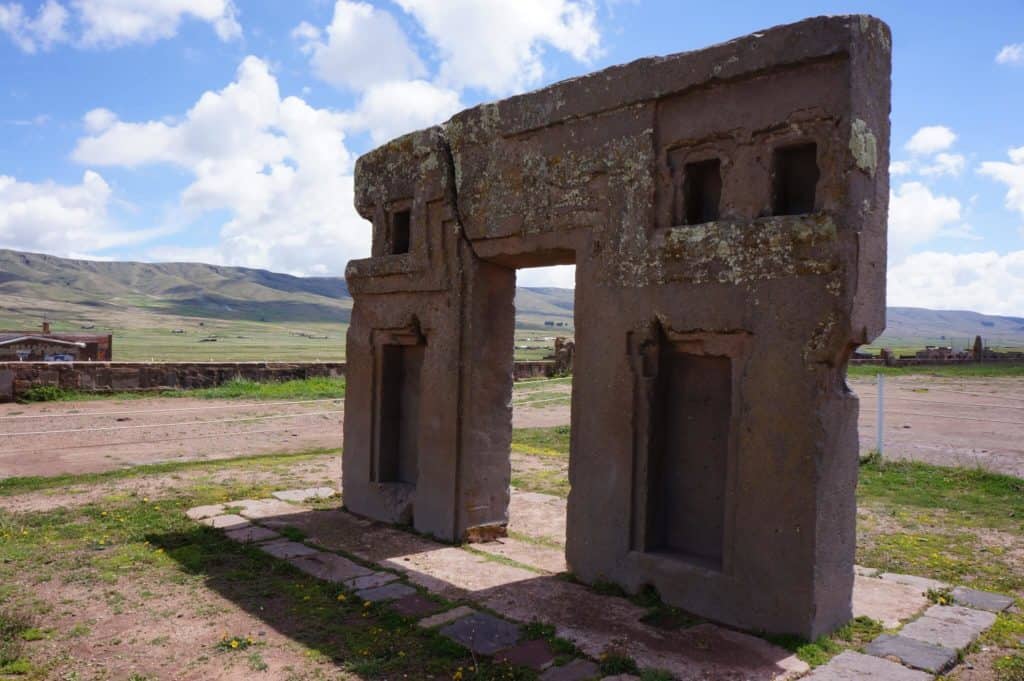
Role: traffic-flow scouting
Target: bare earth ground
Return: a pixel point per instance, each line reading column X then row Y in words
column 944, row 421
column 157, row 430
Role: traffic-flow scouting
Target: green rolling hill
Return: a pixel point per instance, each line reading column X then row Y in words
column 191, row 311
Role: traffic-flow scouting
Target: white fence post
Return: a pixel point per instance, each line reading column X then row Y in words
column 880, row 421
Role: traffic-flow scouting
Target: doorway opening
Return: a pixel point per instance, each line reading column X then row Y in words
column 544, row 353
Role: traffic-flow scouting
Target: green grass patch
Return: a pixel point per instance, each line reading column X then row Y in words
column 297, row 389
column 973, row 497
column 552, row 441
column 22, row 485
column 967, row 370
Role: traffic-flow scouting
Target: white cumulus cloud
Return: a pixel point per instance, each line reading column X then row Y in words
column 945, row 164
column 498, row 45
column 362, row 46
column 113, row 23
column 1012, row 175
column 986, row 282
column 32, row 34
column 387, row 110
column 277, row 166
column 916, row 216
column 60, row 218
column 930, row 139
column 1011, row 54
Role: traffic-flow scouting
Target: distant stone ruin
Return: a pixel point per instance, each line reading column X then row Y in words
column 726, row 212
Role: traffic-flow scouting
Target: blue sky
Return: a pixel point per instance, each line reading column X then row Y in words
column 225, row 131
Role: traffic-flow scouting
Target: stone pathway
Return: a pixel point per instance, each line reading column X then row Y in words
column 482, row 603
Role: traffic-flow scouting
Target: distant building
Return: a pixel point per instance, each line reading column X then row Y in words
column 33, row 346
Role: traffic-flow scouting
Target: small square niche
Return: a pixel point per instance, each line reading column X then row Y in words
column 702, row 190
column 794, row 179
column 400, row 224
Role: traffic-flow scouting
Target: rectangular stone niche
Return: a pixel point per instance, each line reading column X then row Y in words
column 685, row 406
column 686, row 503
column 398, row 413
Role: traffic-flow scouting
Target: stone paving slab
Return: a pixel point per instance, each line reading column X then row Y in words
column 286, row 548
column 303, row 495
column 577, row 670
column 200, row 512
column 262, row 509
column 913, row 653
column 388, row 592
column 331, row 567
column 953, row 627
column 535, row 654
column 621, row 677
column 374, row 579
column 853, row 666
column 482, row 633
column 253, row 534
column 416, row 605
column 543, row 557
column 456, row 573
column 921, row 583
column 600, row 624
column 446, row 617
column 226, row 522
column 887, row 602
column 982, row 600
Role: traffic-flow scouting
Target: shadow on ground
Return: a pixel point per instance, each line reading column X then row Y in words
column 375, row 642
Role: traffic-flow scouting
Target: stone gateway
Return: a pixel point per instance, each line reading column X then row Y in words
column 726, row 212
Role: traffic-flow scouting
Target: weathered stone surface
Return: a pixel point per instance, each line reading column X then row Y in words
column 621, row 677
column 388, row 592
column 726, row 210
column 331, row 567
column 602, row 624
column 251, row 535
column 446, row 617
column 923, row 584
column 888, row 602
column 482, row 633
column 577, row 670
column 371, row 580
column 912, row 653
column 536, row 654
column 287, row 549
column 263, row 509
column 853, row 666
column 303, row 495
column 952, row 627
column 416, row 605
column 200, row 512
column 229, row 521
column 982, row 600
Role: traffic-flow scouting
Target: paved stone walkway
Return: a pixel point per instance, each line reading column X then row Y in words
column 386, row 564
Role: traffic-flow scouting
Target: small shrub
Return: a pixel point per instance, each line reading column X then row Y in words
column 44, row 393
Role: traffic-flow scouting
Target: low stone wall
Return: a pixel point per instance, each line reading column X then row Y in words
column 537, row 369
column 18, row 377
column 921, row 361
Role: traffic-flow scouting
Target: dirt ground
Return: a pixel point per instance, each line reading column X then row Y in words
column 99, row 435
column 942, row 421
column 966, row 422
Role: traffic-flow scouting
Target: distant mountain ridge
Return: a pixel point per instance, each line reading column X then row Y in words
column 31, row 283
